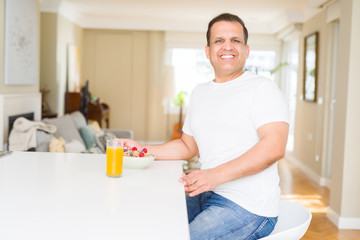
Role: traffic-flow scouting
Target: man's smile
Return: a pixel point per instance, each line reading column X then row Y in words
column 227, row 56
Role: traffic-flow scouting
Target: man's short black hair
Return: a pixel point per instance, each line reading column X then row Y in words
column 227, row 17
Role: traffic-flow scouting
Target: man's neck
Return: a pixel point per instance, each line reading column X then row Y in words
column 227, row 77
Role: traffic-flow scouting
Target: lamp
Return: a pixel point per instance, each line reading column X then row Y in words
column 168, row 93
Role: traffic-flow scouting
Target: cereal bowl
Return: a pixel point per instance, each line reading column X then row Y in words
column 138, row 162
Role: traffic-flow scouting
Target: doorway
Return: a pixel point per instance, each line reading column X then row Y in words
column 334, row 35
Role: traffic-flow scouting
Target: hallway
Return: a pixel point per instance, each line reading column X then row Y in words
column 296, row 186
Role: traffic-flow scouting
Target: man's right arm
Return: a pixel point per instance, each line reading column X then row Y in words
column 178, row 149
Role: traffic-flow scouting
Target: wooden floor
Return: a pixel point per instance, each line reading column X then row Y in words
column 297, row 187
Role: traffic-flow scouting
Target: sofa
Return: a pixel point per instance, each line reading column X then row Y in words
column 74, row 134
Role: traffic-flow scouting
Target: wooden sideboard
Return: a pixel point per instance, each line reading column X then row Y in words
column 72, row 101
column 99, row 112
column 96, row 111
column 48, row 115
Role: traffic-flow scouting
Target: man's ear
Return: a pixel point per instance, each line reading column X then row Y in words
column 247, row 48
column 207, row 51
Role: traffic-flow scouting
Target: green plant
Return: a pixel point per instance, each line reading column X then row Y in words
column 278, row 67
column 179, row 100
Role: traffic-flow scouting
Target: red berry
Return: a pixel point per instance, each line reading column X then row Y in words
column 134, row 149
column 145, row 150
column 141, row 154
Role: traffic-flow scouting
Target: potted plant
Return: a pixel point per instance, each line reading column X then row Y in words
column 179, row 101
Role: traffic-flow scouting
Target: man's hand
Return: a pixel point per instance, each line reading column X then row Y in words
column 199, row 181
column 129, row 143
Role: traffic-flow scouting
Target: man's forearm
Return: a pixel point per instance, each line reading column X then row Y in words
column 174, row 149
column 266, row 152
column 182, row 149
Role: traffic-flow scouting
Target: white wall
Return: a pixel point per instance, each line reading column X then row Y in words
column 345, row 192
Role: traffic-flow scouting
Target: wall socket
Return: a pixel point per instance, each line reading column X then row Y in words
column 309, row 136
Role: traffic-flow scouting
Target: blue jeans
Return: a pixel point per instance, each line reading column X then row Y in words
column 212, row 216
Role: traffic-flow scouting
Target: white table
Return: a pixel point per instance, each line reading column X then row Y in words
column 68, row 196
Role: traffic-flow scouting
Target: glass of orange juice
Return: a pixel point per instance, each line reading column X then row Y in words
column 114, row 157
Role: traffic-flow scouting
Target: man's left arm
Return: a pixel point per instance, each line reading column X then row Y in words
column 270, row 148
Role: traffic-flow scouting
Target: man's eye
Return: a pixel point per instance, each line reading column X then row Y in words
column 219, row 41
column 236, row 41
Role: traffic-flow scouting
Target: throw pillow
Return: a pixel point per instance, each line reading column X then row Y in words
column 65, row 128
column 95, row 125
column 74, row 147
column 88, row 135
column 98, row 142
column 101, row 140
column 95, row 149
column 57, row 145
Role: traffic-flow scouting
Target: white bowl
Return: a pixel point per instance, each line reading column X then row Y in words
column 137, row 162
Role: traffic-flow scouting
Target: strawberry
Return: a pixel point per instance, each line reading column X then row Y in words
column 145, row 150
column 134, row 148
column 141, row 154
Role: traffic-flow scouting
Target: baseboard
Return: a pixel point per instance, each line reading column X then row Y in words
column 340, row 222
column 308, row 171
column 343, row 222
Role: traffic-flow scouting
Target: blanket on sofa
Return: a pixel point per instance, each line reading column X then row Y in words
column 23, row 135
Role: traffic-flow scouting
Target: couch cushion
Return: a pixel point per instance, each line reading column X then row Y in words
column 74, row 147
column 65, row 128
column 78, row 119
column 42, row 141
column 88, row 136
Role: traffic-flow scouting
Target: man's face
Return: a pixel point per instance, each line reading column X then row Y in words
column 227, row 51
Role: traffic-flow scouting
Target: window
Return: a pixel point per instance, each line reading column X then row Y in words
column 261, row 62
column 191, row 67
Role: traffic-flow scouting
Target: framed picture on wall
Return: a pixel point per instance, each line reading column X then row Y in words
column 21, row 42
column 73, row 69
column 310, row 67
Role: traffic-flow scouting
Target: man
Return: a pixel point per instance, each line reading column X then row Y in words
column 238, row 125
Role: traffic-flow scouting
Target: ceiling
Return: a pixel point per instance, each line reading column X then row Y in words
column 260, row 16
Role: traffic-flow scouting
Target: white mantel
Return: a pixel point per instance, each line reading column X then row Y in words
column 14, row 104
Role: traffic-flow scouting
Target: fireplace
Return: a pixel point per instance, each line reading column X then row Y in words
column 14, row 105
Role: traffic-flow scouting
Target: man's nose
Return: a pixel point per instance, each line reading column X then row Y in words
column 228, row 45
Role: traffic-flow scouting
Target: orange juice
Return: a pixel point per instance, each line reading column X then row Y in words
column 114, row 159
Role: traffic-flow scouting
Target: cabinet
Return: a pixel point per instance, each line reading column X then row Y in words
column 97, row 111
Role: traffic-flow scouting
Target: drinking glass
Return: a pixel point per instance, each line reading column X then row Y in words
column 114, row 157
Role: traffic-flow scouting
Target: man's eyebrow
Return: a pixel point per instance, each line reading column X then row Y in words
column 238, row 37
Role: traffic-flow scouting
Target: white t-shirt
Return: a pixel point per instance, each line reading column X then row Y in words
column 223, row 119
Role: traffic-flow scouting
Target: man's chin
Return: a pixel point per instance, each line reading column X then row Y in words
column 231, row 69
